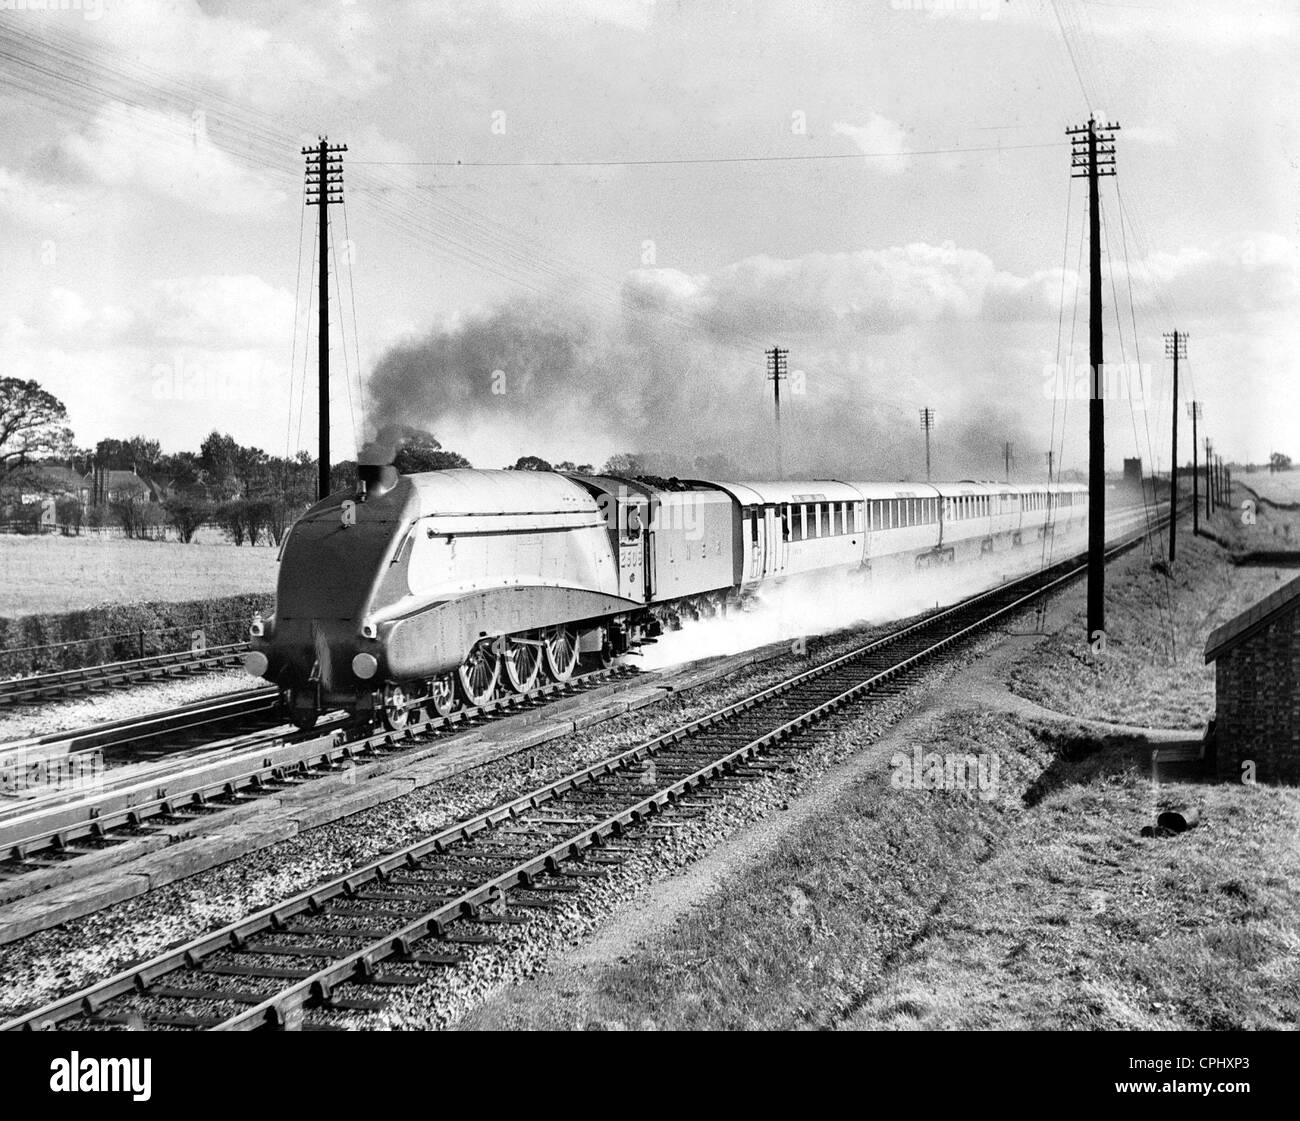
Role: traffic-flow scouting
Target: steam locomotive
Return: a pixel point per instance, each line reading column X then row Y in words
column 419, row 593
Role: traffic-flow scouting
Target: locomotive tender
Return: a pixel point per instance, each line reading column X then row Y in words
column 421, row 592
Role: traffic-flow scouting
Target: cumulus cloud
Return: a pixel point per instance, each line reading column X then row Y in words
column 169, row 154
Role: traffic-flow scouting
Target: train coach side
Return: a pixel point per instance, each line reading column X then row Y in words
column 795, row 529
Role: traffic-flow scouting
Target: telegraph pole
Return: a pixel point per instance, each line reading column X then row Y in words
column 1175, row 348
column 1194, row 407
column 1209, row 477
column 1007, row 456
column 927, row 423
column 1092, row 156
column 324, row 188
column 776, row 372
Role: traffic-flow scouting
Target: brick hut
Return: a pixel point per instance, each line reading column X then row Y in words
column 1256, row 660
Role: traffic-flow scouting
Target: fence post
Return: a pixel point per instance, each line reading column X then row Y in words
column 142, row 642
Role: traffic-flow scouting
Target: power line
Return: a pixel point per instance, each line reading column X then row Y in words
column 673, row 161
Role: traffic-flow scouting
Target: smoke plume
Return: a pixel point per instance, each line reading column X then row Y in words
column 676, row 373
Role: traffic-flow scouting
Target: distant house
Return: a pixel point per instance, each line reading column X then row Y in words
column 37, row 482
column 1256, row 660
column 108, row 485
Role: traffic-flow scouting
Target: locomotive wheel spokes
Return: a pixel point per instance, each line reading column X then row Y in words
column 478, row 675
column 395, row 714
column 442, row 695
column 561, row 647
column 521, row 661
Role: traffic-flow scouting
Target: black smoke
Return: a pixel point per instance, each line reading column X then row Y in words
column 677, row 393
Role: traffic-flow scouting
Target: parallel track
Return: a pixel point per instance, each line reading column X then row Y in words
column 51, row 830
column 339, row 945
column 116, row 675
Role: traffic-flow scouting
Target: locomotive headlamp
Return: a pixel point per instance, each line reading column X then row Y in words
column 365, row 666
column 256, row 630
column 369, row 630
column 255, row 663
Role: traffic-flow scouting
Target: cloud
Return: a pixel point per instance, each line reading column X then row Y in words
column 169, row 154
column 219, row 311
column 50, row 207
column 880, row 139
column 1154, row 135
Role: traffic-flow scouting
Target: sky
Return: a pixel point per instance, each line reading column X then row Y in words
column 572, row 229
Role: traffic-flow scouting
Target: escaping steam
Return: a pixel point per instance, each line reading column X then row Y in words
column 835, row 601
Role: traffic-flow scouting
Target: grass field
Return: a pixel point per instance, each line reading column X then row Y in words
column 55, row 574
column 1281, row 487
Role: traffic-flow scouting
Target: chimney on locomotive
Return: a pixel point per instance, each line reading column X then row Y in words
column 376, row 474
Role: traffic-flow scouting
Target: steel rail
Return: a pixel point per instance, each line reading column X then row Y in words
column 168, row 792
column 42, row 686
column 361, row 965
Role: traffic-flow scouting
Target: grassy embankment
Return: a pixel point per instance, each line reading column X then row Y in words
column 1040, row 907
column 1152, row 671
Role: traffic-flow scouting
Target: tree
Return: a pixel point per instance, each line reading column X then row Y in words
column 421, row 451
column 232, row 516
column 1279, row 462
column 137, row 453
column 234, row 469
column 716, row 466
column 70, row 516
column 217, row 459
column 530, row 463
column 182, row 469
column 576, row 468
column 31, row 423
column 186, row 514
column 624, row 463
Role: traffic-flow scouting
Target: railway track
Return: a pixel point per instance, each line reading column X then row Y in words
column 339, row 946
column 49, row 831
column 118, row 675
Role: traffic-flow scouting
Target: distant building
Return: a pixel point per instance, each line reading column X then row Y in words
column 1256, row 660
column 107, row 485
column 37, row 482
column 1133, row 471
